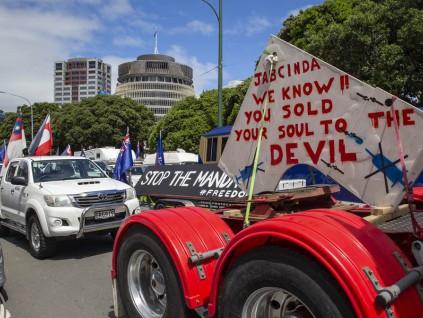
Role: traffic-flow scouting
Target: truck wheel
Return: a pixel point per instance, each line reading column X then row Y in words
column 40, row 246
column 147, row 280
column 278, row 282
column 159, row 206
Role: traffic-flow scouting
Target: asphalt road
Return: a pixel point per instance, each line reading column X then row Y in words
column 74, row 283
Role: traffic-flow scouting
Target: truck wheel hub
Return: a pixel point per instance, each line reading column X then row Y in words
column 270, row 302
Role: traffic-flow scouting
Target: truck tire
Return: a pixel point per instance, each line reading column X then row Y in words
column 147, row 279
column 278, row 282
column 160, row 206
column 40, row 246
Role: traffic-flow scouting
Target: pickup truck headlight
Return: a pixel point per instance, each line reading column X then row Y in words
column 58, row 200
column 130, row 194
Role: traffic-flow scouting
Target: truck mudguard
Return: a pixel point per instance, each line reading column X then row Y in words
column 344, row 244
column 184, row 231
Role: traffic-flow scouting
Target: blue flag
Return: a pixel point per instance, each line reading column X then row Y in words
column 3, row 151
column 160, row 155
column 124, row 160
column 138, row 153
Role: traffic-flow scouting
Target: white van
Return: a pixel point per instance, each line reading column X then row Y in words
column 106, row 154
column 173, row 158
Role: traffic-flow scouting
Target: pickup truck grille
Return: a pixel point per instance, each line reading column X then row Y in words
column 89, row 199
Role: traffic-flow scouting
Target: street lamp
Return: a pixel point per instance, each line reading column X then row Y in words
column 219, row 66
column 30, row 106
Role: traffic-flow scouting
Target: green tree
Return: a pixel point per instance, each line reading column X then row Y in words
column 376, row 41
column 99, row 121
column 191, row 117
column 39, row 110
column 102, row 121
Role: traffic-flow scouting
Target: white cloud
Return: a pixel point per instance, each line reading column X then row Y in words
column 251, row 26
column 256, row 24
column 294, row 12
column 200, row 27
column 31, row 42
column 205, row 73
column 195, row 26
column 127, row 41
column 114, row 9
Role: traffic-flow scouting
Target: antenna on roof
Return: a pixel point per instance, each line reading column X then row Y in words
column 156, row 50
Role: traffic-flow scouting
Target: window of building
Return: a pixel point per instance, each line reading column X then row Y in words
column 59, row 66
column 159, row 65
column 91, row 64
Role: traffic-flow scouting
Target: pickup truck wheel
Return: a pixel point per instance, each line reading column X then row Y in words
column 40, row 246
column 147, row 279
column 278, row 282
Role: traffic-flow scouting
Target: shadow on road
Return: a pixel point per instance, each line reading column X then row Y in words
column 70, row 249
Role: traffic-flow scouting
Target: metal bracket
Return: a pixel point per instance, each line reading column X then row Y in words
column 417, row 248
column 226, row 237
column 407, row 270
column 198, row 265
column 376, row 284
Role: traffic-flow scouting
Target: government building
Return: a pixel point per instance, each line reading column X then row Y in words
column 79, row 78
column 156, row 81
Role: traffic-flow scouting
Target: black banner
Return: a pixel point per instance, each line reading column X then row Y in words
column 192, row 181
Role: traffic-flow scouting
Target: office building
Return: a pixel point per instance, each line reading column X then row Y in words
column 80, row 78
column 156, row 81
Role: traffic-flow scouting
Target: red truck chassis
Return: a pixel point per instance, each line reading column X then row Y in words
column 360, row 268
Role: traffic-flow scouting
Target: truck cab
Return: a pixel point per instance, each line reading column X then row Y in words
column 57, row 197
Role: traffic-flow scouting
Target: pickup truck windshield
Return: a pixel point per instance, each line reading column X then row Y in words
column 57, row 169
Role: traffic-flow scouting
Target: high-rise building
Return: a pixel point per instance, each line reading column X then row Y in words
column 79, row 78
column 156, row 81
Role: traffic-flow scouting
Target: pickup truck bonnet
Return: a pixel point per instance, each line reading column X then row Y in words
column 82, row 185
column 315, row 114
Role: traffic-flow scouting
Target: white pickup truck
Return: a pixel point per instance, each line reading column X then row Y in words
column 56, row 197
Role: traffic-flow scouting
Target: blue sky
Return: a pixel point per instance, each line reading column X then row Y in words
column 35, row 33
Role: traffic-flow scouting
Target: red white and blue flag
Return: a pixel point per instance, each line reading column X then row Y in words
column 124, row 160
column 43, row 141
column 67, row 151
column 17, row 142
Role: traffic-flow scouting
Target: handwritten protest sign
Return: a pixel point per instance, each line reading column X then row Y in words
column 318, row 115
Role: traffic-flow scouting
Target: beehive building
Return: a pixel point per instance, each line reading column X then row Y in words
column 156, row 81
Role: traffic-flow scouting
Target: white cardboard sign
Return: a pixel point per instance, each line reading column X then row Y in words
column 318, row 115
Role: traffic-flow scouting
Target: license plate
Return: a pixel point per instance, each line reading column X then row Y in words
column 101, row 215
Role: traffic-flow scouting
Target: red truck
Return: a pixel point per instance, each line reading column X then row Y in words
column 293, row 253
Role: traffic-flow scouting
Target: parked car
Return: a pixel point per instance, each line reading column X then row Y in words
column 136, row 172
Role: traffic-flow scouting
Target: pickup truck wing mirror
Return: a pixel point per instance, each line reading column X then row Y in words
column 19, row 180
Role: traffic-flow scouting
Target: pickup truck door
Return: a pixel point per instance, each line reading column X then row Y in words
column 14, row 197
column 7, row 193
